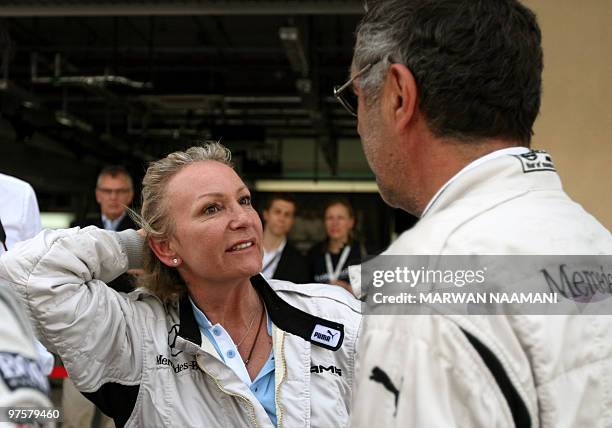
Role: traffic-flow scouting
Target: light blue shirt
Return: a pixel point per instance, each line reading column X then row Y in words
column 112, row 224
column 263, row 385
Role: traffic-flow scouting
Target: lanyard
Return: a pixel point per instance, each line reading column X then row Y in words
column 335, row 273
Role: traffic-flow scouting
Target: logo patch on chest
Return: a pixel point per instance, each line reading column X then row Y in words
column 18, row 371
column 326, row 335
column 318, row 368
column 177, row 366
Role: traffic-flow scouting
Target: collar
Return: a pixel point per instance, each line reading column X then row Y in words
column 474, row 164
column 278, row 249
column 201, row 319
column 204, row 323
column 318, row 331
column 188, row 328
column 112, row 224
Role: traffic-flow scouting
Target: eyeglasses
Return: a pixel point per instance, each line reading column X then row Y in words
column 119, row 192
column 345, row 95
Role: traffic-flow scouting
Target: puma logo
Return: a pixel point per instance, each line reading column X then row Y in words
column 378, row 375
column 332, row 334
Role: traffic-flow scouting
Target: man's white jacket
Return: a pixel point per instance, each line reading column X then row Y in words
column 491, row 371
column 145, row 362
column 22, row 382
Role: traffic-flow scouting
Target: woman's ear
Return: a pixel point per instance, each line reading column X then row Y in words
column 164, row 252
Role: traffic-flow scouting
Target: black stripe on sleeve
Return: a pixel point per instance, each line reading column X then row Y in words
column 519, row 411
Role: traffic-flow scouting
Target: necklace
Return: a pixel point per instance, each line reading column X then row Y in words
column 248, row 330
column 248, row 358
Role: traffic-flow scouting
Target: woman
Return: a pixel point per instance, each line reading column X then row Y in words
column 329, row 260
column 206, row 341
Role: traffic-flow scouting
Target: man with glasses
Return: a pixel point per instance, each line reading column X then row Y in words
column 114, row 192
column 446, row 93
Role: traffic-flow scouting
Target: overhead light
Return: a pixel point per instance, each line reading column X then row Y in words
column 304, row 85
column 71, row 121
column 63, row 119
column 319, row 186
column 294, row 48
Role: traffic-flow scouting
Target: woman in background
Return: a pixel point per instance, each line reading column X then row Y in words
column 329, row 259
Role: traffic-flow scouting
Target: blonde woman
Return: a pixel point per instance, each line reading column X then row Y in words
column 206, row 341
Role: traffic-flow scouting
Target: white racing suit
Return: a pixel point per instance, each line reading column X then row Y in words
column 22, row 381
column 491, row 371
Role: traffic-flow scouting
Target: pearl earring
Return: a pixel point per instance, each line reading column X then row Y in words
column 175, row 261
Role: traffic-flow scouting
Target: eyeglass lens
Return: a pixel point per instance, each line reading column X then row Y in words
column 109, row 192
column 348, row 100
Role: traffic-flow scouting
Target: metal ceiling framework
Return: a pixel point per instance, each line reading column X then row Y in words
column 89, row 82
column 27, row 8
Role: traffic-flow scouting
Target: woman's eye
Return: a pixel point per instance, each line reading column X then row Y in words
column 245, row 200
column 211, row 209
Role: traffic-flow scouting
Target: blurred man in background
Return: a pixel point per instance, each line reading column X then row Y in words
column 114, row 192
column 281, row 259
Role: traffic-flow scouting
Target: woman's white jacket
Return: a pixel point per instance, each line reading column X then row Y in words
column 144, row 362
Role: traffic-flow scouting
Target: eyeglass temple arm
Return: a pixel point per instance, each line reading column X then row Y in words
column 338, row 90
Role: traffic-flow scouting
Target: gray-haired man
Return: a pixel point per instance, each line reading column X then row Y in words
column 447, row 93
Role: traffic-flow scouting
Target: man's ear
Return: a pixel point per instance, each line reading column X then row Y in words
column 266, row 214
column 164, row 252
column 401, row 94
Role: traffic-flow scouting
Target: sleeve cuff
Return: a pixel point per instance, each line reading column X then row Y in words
column 132, row 243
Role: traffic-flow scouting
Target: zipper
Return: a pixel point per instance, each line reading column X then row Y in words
column 279, row 409
column 225, row 391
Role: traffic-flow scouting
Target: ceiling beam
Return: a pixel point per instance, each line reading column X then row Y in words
column 45, row 170
column 41, row 8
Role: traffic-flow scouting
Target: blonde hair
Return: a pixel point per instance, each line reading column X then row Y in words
column 165, row 282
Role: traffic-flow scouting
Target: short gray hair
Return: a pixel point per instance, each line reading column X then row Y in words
column 115, row 171
column 163, row 281
column 477, row 63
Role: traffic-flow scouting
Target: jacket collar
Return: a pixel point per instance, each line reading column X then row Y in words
column 521, row 173
column 493, row 155
column 188, row 329
column 319, row 331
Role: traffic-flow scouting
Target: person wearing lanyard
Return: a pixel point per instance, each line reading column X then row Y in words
column 281, row 260
column 329, row 260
